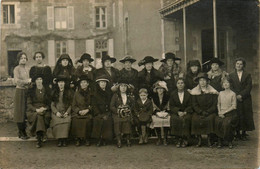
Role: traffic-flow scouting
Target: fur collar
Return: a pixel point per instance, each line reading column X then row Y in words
column 157, row 101
column 197, row 90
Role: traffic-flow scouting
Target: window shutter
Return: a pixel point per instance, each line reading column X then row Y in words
column 71, row 50
column 50, row 18
column 111, row 47
column 70, row 11
column 51, row 53
column 90, row 48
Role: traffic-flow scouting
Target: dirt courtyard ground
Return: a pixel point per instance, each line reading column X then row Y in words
column 23, row 154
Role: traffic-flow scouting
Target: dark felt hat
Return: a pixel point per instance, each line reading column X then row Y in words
column 194, row 63
column 36, row 76
column 169, row 55
column 86, row 56
column 147, row 59
column 202, row 75
column 127, row 58
column 102, row 78
column 216, row 60
column 107, row 57
column 61, row 78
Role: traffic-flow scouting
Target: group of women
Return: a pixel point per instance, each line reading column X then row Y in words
column 88, row 104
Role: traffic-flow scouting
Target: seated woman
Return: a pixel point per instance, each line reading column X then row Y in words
column 61, row 111
column 181, row 109
column 122, row 107
column 204, row 103
column 161, row 116
column 38, row 108
column 102, row 120
column 82, row 112
column 143, row 112
column 226, row 120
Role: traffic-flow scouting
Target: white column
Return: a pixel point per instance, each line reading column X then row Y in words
column 215, row 29
column 51, row 53
column 111, row 47
column 71, row 50
column 184, row 36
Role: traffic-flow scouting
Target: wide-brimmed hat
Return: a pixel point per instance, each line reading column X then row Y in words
column 83, row 77
column 194, row 63
column 160, row 84
column 107, row 57
column 36, row 76
column 127, row 58
column 86, row 56
column 102, row 78
column 61, row 78
column 169, row 55
column 202, row 75
column 147, row 59
column 216, row 60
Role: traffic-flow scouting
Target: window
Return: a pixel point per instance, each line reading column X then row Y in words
column 61, row 47
column 8, row 14
column 101, row 50
column 60, row 14
column 101, row 17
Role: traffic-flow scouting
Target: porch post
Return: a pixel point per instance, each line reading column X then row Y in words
column 184, row 36
column 215, row 29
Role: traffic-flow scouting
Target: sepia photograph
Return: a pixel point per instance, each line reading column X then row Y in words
column 129, row 84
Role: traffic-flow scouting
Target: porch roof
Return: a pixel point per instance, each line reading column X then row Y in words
column 175, row 5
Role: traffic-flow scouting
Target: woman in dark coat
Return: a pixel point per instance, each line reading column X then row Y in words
column 22, row 81
column 41, row 68
column 128, row 73
column 148, row 75
column 38, row 108
column 216, row 74
column 61, row 111
column 204, row 103
column 193, row 69
column 64, row 67
column 169, row 71
column 81, row 125
column 86, row 69
column 161, row 109
column 102, row 121
column 241, row 84
column 181, row 110
column 122, row 107
column 108, row 70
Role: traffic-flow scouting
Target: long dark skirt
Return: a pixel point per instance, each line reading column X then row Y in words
column 122, row 125
column 180, row 126
column 245, row 115
column 225, row 127
column 202, row 125
column 81, row 127
column 102, row 128
column 20, row 98
column 38, row 122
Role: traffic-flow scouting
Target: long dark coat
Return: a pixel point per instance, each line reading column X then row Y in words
column 102, row 120
column 143, row 112
column 147, row 80
column 81, row 125
column 113, row 78
column 189, row 81
column 244, row 108
column 35, row 100
column 122, row 125
column 180, row 126
column 205, row 110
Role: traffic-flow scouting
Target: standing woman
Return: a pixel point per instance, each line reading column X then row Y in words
column 64, row 67
column 242, row 85
column 193, row 69
column 216, row 74
column 61, row 111
column 82, row 112
column 161, row 116
column 226, row 121
column 181, row 110
column 122, row 107
column 168, row 69
column 38, row 108
column 22, row 81
column 148, row 75
column 41, row 68
column 102, row 120
column 204, row 104
column 86, row 68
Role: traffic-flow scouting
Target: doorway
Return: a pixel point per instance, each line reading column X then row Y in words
column 12, row 55
column 207, row 43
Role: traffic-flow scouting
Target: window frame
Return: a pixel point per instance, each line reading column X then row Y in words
column 100, row 17
column 66, row 18
column 8, row 13
column 61, row 48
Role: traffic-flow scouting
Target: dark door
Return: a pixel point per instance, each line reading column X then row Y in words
column 207, row 43
column 12, row 55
